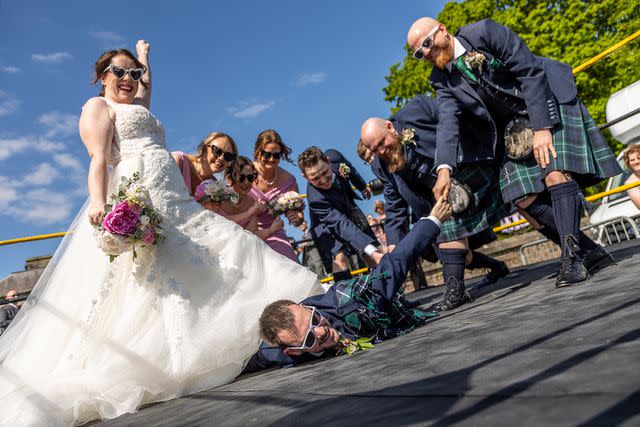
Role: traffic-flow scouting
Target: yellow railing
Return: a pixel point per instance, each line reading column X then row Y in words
column 612, row 49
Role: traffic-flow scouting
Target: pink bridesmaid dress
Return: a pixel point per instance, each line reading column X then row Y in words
column 277, row 241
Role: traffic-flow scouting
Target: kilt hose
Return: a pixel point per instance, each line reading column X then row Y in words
column 582, row 151
column 488, row 207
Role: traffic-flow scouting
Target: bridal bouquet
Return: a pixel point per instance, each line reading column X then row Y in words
column 130, row 220
column 210, row 190
column 289, row 201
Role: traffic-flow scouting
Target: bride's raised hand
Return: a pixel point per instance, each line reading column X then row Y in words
column 142, row 48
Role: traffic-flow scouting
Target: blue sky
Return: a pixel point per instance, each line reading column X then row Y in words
column 311, row 70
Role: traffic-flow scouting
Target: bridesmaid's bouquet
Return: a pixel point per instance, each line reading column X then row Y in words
column 214, row 191
column 130, row 220
column 289, row 201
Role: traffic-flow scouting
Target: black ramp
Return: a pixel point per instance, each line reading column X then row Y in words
column 522, row 354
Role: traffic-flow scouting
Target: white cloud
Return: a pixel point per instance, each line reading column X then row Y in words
column 67, row 161
column 10, row 69
column 40, row 205
column 11, row 146
column 249, row 111
column 311, row 79
column 108, row 37
column 8, row 104
column 51, row 58
column 59, row 124
column 8, row 192
column 43, row 175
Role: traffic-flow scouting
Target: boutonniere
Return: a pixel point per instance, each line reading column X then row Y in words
column 408, row 136
column 346, row 345
column 474, row 60
column 344, row 170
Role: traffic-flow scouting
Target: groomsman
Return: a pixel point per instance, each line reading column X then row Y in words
column 405, row 149
column 315, row 327
column 486, row 78
column 338, row 226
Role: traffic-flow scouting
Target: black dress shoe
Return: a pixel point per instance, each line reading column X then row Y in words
column 454, row 296
column 596, row 259
column 571, row 270
column 494, row 275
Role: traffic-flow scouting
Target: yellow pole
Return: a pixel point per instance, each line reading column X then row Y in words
column 613, row 48
column 32, row 238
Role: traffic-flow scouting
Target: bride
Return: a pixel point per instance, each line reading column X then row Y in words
column 98, row 339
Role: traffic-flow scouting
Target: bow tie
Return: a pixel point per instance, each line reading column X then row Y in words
column 464, row 68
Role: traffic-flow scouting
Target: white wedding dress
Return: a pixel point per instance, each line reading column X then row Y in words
column 99, row 339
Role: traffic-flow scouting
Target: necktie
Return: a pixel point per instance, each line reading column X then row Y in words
column 464, row 69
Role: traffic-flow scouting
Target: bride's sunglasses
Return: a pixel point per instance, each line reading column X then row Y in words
column 119, row 72
column 217, row 152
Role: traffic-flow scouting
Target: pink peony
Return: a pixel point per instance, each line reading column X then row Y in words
column 121, row 220
column 149, row 236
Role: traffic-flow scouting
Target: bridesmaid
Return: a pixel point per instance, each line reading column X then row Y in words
column 272, row 182
column 216, row 153
column 240, row 178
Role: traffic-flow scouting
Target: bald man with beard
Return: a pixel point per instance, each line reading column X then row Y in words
column 405, row 151
column 486, row 78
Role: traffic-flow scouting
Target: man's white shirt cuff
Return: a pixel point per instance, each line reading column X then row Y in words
column 369, row 249
column 433, row 219
column 444, row 167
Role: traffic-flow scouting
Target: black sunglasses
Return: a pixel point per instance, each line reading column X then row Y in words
column 119, row 72
column 251, row 177
column 228, row 157
column 268, row 154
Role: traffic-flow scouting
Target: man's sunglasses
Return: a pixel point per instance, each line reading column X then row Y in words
column 427, row 43
column 310, row 338
column 119, row 72
column 268, row 155
column 250, row 178
column 227, row 156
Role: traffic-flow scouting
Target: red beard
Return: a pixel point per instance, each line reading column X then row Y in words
column 395, row 158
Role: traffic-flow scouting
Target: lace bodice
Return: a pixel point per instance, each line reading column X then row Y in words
column 136, row 129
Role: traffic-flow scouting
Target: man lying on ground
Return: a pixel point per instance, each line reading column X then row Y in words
column 366, row 306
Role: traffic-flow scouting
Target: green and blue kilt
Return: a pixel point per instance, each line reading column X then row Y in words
column 488, row 207
column 365, row 313
column 582, row 151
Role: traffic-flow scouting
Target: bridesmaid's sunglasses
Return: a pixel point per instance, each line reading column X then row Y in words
column 217, row 152
column 119, row 72
column 250, row 178
column 268, row 155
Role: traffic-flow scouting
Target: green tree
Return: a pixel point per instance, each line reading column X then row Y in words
column 571, row 31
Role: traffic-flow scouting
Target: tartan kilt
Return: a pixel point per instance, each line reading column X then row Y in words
column 488, row 208
column 366, row 315
column 581, row 149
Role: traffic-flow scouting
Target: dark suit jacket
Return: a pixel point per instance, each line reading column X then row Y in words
column 421, row 115
column 7, row 313
column 330, row 210
column 540, row 82
column 395, row 263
